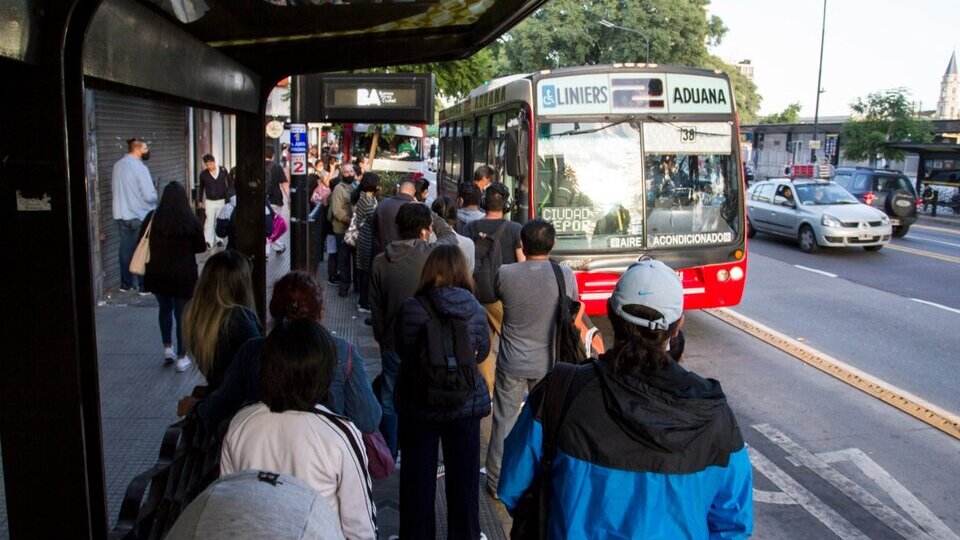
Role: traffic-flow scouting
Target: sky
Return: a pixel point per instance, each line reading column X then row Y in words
column 870, row 45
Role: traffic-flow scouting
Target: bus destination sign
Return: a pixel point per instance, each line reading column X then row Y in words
column 625, row 93
column 405, row 98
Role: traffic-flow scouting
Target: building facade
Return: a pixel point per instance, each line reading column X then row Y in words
column 948, row 106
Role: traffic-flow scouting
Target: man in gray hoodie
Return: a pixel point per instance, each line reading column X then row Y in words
column 394, row 277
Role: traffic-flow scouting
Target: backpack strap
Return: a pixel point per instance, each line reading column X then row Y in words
column 552, row 413
column 561, row 305
column 499, row 232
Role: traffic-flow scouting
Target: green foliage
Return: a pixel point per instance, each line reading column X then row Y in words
column 885, row 116
column 567, row 33
column 455, row 79
column 790, row 115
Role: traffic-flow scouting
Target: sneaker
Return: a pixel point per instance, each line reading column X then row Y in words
column 142, row 292
column 362, row 309
column 333, row 280
column 183, row 364
column 125, row 288
column 441, row 471
column 483, row 536
column 168, row 355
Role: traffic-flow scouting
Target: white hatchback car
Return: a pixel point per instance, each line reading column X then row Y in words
column 816, row 213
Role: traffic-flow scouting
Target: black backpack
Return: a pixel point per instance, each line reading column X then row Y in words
column 568, row 346
column 445, row 377
column 489, row 257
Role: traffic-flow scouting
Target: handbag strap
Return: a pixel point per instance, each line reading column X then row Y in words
column 561, row 305
column 553, row 409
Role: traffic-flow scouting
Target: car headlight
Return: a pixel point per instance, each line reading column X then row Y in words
column 884, row 219
column 829, row 221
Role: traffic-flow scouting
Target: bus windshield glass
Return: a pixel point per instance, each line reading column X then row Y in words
column 625, row 185
column 390, row 146
column 588, row 182
column 692, row 184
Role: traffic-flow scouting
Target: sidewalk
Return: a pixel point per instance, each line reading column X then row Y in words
column 139, row 395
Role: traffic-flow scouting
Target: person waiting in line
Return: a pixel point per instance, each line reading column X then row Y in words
column 494, row 225
column 469, row 206
column 221, row 316
column 341, row 212
column 363, row 161
column 275, row 178
column 365, row 207
column 289, row 432
column 395, row 277
column 525, row 290
column 176, row 236
column 447, row 288
column 658, row 445
column 385, row 230
column 444, row 207
column 213, row 189
column 423, row 189
column 483, row 177
column 295, row 296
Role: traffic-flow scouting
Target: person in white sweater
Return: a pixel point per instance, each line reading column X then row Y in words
column 290, row 433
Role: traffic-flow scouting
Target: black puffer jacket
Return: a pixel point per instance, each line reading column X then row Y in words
column 455, row 303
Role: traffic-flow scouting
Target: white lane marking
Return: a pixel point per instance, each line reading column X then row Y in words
column 853, row 490
column 772, row 497
column 814, row 270
column 936, row 305
column 900, row 495
column 817, row 508
column 922, row 239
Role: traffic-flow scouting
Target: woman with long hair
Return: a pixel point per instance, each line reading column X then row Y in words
column 658, row 446
column 447, row 288
column 290, row 432
column 366, row 206
column 295, row 296
column 176, row 236
column 221, row 316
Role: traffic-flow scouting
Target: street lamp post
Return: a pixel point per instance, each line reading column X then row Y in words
column 816, row 111
column 608, row 24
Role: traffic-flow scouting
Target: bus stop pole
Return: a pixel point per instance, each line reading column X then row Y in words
column 299, row 198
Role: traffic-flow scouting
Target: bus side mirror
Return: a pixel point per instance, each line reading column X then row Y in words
column 517, row 154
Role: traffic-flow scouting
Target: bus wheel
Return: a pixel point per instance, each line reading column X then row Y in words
column 807, row 239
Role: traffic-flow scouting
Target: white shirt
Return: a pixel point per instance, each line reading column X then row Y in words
column 312, row 448
column 133, row 193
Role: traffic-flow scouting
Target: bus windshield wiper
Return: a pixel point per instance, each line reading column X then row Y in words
column 594, row 130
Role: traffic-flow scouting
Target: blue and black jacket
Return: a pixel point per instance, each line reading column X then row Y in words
column 646, row 456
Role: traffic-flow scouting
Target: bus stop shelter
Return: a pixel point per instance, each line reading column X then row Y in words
column 948, row 155
column 224, row 56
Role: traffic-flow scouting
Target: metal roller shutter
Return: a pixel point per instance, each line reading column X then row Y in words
column 117, row 118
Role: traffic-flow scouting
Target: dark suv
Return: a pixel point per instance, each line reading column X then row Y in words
column 889, row 191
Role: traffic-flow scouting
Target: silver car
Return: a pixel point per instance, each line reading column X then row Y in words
column 816, row 213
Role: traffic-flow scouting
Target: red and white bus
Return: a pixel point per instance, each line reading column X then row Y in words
column 626, row 161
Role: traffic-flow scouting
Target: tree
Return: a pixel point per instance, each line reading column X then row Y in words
column 884, row 117
column 790, row 115
column 568, row 33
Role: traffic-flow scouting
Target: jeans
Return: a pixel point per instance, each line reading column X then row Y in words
column 333, row 272
column 129, row 230
column 171, row 310
column 344, row 265
column 508, row 393
column 389, row 425
column 418, row 478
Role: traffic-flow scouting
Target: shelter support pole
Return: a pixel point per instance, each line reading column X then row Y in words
column 49, row 390
column 251, row 197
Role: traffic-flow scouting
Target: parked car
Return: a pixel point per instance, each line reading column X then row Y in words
column 889, row 191
column 816, row 213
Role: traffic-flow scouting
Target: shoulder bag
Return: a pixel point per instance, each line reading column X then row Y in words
column 138, row 263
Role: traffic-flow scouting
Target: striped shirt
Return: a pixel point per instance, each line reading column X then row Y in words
column 323, row 450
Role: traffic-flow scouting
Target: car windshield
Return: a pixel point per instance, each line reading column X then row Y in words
column 823, row 194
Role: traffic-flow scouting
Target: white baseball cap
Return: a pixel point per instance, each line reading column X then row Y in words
column 652, row 284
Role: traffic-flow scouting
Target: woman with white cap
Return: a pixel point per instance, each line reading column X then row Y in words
column 643, row 448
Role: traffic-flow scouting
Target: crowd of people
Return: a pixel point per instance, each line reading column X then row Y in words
column 464, row 304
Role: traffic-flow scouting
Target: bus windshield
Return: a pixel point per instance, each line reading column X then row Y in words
column 390, row 146
column 604, row 190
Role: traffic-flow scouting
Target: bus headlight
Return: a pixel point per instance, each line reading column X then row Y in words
column 736, row 273
column 723, row 275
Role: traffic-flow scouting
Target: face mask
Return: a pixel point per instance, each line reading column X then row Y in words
column 145, row 156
